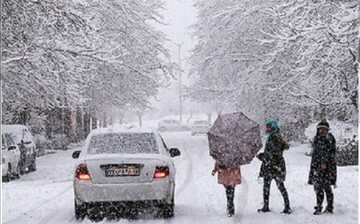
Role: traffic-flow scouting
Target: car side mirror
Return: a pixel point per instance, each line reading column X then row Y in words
column 11, row 147
column 76, row 154
column 174, row 152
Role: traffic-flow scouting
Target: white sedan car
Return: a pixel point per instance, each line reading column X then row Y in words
column 10, row 157
column 200, row 127
column 118, row 170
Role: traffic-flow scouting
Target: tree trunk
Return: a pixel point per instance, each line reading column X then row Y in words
column 94, row 123
column 140, row 120
column 86, row 129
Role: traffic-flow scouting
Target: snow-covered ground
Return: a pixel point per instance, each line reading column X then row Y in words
column 46, row 196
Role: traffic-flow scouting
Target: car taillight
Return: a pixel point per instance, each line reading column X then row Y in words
column 82, row 172
column 161, row 172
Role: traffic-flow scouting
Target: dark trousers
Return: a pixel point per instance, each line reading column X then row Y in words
column 281, row 187
column 230, row 192
column 319, row 190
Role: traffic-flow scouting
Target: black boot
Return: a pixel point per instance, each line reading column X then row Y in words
column 329, row 210
column 230, row 211
column 230, row 191
column 287, row 210
column 264, row 209
column 317, row 210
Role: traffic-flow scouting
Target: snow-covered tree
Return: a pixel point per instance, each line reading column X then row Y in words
column 290, row 60
column 226, row 59
column 314, row 58
column 96, row 55
column 128, row 49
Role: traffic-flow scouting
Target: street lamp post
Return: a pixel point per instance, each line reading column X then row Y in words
column 180, row 83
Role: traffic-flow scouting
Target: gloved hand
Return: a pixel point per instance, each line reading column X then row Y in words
column 335, row 186
column 213, row 172
column 260, row 156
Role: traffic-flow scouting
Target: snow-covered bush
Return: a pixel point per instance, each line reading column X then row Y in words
column 347, row 154
column 40, row 142
column 346, row 141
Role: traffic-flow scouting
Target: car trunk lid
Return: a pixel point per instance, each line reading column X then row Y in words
column 111, row 169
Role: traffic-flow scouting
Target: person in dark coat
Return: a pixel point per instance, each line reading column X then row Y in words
column 229, row 177
column 273, row 165
column 323, row 167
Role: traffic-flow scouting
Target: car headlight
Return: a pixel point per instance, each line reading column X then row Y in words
column 2, row 160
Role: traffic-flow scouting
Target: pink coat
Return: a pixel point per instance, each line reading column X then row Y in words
column 228, row 176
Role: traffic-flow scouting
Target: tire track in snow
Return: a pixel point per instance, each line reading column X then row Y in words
column 24, row 216
column 243, row 198
column 189, row 171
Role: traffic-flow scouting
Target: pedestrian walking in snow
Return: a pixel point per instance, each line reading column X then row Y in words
column 229, row 177
column 273, row 165
column 323, row 167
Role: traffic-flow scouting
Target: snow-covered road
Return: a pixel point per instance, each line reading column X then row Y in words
column 46, row 196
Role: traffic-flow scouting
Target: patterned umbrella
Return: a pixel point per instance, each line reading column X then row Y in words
column 234, row 139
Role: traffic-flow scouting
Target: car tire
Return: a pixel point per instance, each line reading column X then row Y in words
column 95, row 213
column 22, row 167
column 18, row 171
column 80, row 210
column 168, row 208
column 7, row 177
column 32, row 167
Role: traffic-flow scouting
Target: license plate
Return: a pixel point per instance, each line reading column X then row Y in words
column 123, row 170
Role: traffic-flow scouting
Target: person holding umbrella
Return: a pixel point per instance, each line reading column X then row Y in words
column 273, row 165
column 234, row 140
column 229, row 177
column 323, row 167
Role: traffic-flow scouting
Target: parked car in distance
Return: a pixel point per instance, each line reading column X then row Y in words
column 10, row 157
column 25, row 141
column 200, row 127
column 122, row 169
column 171, row 125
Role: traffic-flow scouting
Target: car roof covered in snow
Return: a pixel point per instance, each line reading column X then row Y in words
column 122, row 129
column 12, row 128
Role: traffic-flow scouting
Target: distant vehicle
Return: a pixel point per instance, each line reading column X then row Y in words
column 124, row 167
column 200, row 127
column 25, row 141
column 171, row 125
column 10, row 157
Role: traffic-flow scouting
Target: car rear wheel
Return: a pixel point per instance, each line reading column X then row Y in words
column 7, row 177
column 80, row 210
column 32, row 167
column 22, row 167
column 95, row 212
column 18, row 171
column 167, row 208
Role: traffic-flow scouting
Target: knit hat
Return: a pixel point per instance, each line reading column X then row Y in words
column 274, row 124
column 323, row 124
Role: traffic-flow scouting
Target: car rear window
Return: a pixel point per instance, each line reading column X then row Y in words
column 16, row 136
column 127, row 143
